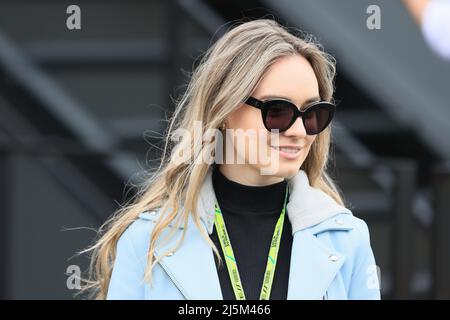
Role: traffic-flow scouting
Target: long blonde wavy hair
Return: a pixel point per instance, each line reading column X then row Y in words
column 228, row 72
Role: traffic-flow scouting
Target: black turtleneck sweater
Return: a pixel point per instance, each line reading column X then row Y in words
column 250, row 214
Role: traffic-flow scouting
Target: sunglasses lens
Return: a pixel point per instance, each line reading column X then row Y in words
column 317, row 119
column 279, row 116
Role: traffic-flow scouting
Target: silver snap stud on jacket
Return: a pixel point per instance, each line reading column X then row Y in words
column 333, row 258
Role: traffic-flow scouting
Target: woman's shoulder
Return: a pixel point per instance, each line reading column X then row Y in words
column 137, row 234
column 341, row 222
column 348, row 235
column 344, row 232
column 139, row 230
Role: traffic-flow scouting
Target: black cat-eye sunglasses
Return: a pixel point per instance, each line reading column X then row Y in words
column 281, row 114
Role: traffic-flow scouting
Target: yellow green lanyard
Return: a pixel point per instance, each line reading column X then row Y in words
column 231, row 260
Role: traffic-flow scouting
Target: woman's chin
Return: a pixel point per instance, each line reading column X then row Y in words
column 280, row 169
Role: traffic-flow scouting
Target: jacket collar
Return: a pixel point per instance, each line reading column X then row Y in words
column 313, row 264
column 307, row 205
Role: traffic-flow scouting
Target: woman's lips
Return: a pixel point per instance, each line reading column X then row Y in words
column 289, row 153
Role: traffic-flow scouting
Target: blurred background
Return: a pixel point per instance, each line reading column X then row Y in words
column 82, row 112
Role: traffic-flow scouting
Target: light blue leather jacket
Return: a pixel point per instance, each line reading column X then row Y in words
column 331, row 255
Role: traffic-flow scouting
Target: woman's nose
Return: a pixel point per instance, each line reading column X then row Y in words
column 297, row 129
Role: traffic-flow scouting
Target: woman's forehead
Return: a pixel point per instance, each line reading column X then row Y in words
column 291, row 78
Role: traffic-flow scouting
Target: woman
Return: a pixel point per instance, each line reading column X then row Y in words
column 205, row 229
